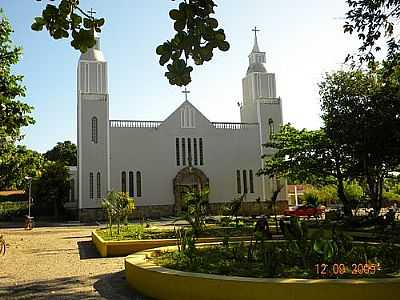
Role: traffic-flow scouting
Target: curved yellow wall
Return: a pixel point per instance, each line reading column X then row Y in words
column 166, row 284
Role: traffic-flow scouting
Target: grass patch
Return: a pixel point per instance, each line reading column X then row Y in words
column 140, row 232
column 276, row 260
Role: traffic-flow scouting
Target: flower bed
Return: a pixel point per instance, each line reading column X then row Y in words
column 144, row 275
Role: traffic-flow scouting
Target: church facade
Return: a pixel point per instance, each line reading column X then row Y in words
column 157, row 162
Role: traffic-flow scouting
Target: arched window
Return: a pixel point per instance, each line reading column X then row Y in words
column 138, row 184
column 238, row 183
column 72, row 190
column 201, row 151
column 271, row 130
column 94, row 130
column 131, row 187
column 98, row 179
column 251, row 181
column 178, row 158
column 91, row 185
column 195, row 151
column 123, row 182
column 183, row 152
column 244, row 181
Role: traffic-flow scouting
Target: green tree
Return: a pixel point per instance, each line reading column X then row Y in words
column 361, row 115
column 118, row 206
column 16, row 162
column 373, row 20
column 64, row 152
column 197, row 33
column 14, row 114
column 51, row 189
column 197, row 206
column 308, row 156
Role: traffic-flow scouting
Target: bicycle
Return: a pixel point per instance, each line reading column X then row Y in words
column 2, row 246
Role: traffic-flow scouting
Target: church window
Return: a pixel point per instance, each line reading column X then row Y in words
column 271, row 128
column 189, row 151
column 98, row 185
column 201, row 151
column 178, row 158
column 195, row 151
column 131, row 187
column 72, row 190
column 91, row 185
column 94, row 130
column 138, row 184
column 183, row 152
column 123, row 182
column 238, row 183
column 251, row 179
column 244, row 181
column 187, row 117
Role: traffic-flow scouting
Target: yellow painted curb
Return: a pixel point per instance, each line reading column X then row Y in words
column 166, row 284
column 126, row 247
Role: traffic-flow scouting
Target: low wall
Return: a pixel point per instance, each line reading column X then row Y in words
column 126, row 247
column 166, row 284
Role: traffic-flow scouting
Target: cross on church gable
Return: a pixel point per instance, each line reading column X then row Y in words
column 186, row 92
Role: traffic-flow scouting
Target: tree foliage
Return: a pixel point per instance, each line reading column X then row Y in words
column 16, row 162
column 69, row 19
column 197, row 36
column 51, row 189
column 197, row 206
column 14, row 114
column 373, row 20
column 65, row 152
column 118, row 206
column 197, row 33
column 361, row 113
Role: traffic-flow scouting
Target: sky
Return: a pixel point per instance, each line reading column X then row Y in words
column 302, row 39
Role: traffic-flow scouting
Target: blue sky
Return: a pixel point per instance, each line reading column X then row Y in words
column 302, row 39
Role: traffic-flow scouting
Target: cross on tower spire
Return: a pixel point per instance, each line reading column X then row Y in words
column 186, row 92
column 91, row 12
column 255, row 31
column 255, row 47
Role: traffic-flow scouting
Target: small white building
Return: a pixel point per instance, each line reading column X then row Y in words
column 156, row 162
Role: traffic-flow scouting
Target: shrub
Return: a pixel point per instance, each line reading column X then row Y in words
column 9, row 210
column 119, row 206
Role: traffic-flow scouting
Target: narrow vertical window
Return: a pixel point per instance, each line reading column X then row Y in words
column 91, row 185
column 195, row 151
column 238, row 183
column 138, row 184
column 244, row 181
column 178, row 158
column 123, row 182
column 131, row 188
column 98, row 179
column 251, row 181
column 183, row 152
column 190, row 152
column 201, row 151
column 94, row 130
column 271, row 128
column 72, row 190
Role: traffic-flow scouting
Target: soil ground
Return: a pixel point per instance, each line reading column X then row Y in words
column 59, row 263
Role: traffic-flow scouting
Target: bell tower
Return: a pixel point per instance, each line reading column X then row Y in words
column 260, row 104
column 93, row 129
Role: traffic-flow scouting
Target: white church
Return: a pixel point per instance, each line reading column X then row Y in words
column 157, row 162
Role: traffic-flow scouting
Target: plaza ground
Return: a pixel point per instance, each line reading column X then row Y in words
column 59, row 263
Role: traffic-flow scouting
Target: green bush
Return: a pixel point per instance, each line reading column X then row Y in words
column 9, row 210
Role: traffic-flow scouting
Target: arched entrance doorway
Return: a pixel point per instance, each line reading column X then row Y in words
column 188, row 179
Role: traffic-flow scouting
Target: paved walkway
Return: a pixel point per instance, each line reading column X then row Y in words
column 59, row 263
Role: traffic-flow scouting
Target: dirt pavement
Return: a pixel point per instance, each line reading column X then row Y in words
column 59, row 263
